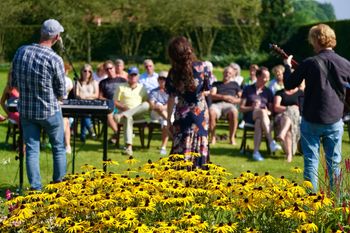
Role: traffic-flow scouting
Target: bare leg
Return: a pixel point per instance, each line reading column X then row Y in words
column 212, row 126
column 164, row 137
column 265, row 122
column 288, row 146
column 285, row 127
column 111, row 122
column 233, row 124
column 257, row 135
column 66, row 132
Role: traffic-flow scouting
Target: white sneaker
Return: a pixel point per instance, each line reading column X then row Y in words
column 257, row 156
column 274, row 146
column 127, row 151
column 163, row 151
column 68, row 150
column 241, row 125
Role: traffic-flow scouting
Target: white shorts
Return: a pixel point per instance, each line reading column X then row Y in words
column 222, row 108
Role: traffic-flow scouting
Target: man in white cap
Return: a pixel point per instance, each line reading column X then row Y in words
column 38, row 73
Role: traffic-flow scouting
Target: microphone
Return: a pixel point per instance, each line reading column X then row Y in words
column 60, row 43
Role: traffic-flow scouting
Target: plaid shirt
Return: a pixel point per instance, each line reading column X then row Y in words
column 38, row 73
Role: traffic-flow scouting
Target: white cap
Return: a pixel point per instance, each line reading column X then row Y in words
column 51, row 27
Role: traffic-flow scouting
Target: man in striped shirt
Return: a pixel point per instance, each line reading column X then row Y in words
column 38, row 73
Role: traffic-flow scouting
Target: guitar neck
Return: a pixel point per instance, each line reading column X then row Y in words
column 283, row 54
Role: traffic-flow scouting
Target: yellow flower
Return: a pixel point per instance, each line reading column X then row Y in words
column 287, row 213
column 296, row 170
column 110, row 162
column 142, row 228
column 251, row 230
column 309, row 227
column 63, row 221
column 74, row 228
column 131, row 160
column 24, row 212
column 301, row 215
column 307, row 184
column 225, row 228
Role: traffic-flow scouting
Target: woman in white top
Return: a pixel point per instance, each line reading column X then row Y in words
column 87, row 88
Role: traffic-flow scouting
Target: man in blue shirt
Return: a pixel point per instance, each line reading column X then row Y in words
column 38, row 73
column 149, row 79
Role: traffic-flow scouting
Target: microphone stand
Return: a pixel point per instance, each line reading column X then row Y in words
column 76, row 77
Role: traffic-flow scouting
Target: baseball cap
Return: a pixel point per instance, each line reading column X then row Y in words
column 133, row 70
column 51, row 27
column 163, row 74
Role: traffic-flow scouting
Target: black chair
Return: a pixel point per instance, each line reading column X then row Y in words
column 12, row 131
column 153, row 125
column 248, row 132
column 140, row 125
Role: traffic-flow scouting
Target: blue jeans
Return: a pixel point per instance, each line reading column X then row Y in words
column 85, row 126
column 53, row 127
column 331, row 137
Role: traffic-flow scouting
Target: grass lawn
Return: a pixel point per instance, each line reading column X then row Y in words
column 91, row 153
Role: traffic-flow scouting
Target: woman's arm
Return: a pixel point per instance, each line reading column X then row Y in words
column 243, row 108
column 4, row 99
column 277, row 107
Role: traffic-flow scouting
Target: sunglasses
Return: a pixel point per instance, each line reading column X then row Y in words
column 109, row 68
column 85, row 71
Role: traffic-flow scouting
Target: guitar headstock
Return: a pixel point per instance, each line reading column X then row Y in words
column 275, row 48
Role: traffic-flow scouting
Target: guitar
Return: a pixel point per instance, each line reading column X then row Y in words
column 284, row 55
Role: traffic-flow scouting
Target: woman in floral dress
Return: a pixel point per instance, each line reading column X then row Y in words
column 187, row 85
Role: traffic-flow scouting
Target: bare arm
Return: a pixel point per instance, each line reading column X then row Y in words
column 243, row 106
column 171, row 104
column 4, row 99
column 277, row 107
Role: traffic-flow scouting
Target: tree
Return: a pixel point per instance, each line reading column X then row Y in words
column 244, row 15
column 12, row 10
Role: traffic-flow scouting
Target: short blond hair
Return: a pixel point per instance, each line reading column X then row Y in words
column 323, row 35
column 276, row 68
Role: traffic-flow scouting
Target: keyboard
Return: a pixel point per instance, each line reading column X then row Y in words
column 78, row 107
column 93, row 107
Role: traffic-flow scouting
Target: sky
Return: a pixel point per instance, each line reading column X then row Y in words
column 341, row 8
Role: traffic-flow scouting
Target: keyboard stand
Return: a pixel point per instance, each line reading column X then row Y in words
column 105, row 142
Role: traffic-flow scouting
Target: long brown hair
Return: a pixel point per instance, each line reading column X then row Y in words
column 181, row 54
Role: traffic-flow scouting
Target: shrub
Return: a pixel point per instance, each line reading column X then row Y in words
column 172, row 198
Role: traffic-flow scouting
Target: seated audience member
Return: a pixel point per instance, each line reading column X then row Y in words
column 252, row 74
column 9, row 94
column 158, row 100
column 256, row 105
column 107, row 89
column 87, row 89
column 149, row 78
column 131, row 100
column 66, row 121
column 276, row 84
column 212, row 77
column 100, row 73
column 237, row 74
column 225, row 96
column 287, row 120
column 119, row 69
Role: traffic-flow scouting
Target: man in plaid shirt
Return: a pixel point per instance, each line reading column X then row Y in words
column 38, row 73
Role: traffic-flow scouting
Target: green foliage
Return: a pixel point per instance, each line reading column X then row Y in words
column 243, row 60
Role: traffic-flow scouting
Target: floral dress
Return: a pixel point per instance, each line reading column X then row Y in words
column 190, row 127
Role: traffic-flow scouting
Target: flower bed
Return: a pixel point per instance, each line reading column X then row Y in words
column 173, row 198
